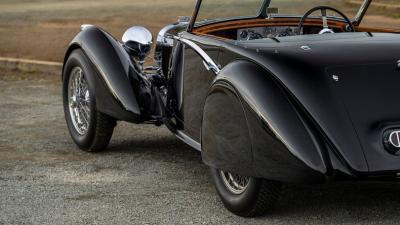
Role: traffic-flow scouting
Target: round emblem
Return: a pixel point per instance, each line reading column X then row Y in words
column 391, row 141
column 394, row 139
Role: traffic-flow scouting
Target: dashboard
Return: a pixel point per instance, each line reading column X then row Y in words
column 265, row 32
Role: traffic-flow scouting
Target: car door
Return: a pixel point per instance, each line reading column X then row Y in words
column 199, row 66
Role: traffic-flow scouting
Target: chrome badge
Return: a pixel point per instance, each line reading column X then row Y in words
column 398, row 65
column 392, row 141
column 335, row 78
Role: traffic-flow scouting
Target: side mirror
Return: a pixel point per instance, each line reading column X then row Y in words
column 137, row 42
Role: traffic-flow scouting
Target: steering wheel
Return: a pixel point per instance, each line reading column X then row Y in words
column 326, row 29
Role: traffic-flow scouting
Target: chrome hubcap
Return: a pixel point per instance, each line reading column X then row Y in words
column 78, row 100
column 236, row 183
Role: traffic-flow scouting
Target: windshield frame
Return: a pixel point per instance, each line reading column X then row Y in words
column 262, row 14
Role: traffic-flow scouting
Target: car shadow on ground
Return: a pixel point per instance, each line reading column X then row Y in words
column 168, row 147
column 341, row 202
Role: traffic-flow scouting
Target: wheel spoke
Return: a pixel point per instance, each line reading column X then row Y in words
column 324, row 19
column 79, row 100
column 85, row 112
column 77, row 116
column 236, row 183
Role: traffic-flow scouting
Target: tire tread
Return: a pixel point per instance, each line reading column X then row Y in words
column 104, row 131
column 269, row 194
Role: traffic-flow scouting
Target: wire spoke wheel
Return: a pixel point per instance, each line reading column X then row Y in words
column 90, row 129
column 235, row 183
column 78, row 101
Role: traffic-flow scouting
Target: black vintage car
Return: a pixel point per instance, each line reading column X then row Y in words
column 267, row 96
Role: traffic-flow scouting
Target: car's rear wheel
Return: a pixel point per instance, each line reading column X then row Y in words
column 90, row 129
column 246, row 196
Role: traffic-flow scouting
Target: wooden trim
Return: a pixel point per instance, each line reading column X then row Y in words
column 249, row 23
column 377, row 30
column 210, row 29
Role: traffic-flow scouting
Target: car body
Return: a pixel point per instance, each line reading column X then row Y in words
column 270, row 98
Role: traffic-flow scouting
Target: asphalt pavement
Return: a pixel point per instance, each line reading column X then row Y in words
column 146, row 176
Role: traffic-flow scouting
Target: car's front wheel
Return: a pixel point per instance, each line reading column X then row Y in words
column 90, row 129
column 246, row 196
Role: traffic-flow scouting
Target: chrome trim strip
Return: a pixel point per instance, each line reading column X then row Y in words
column 208, row 62
column 362, row 11
column 188, row 140
column 324, row 19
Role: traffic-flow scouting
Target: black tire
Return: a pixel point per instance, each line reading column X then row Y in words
column 258, row 198
column 101, row 126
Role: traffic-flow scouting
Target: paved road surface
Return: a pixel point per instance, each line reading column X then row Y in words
column 145, row 177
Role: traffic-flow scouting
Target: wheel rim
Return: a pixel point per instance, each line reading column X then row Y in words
column 237, row 184
column 79, row 101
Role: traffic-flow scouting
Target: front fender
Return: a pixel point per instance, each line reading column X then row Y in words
column 279, row 143
column 115, row 82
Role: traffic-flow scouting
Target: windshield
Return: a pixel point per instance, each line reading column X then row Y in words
column 299, row 7
column 211, row 10
column 226, row 9
column 383, row 14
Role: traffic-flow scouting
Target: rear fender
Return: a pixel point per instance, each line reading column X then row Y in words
column 279, row 145
column 115, row 81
